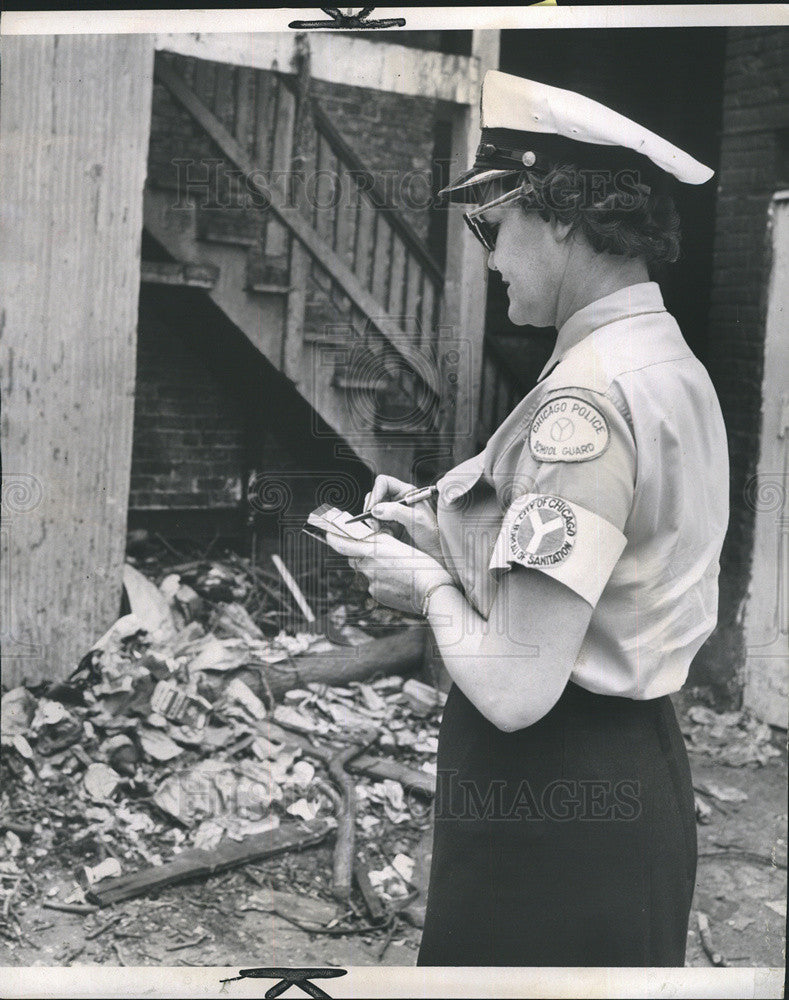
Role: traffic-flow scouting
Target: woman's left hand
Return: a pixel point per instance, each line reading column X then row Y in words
column 399, row 575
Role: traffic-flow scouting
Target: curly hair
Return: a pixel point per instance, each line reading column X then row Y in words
column 614, row 210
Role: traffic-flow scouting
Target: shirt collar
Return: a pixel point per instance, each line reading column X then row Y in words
column 630, row 301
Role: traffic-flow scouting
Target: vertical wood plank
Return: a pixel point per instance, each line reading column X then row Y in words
column 466, row 272
column 504, row 395
column 414, row 282
column 322, row 191
column 382, row 257
column 69, row 285
column 283, row 130
column 283, row 108
column 364, row 248
column 394, row 299
column 204, row 83
column 265, row 110
column 224, row 95
column 244, row 127
column 427, row 313
column 346, row 215
column 487, row 395
column 293, row 341
column 299, row 264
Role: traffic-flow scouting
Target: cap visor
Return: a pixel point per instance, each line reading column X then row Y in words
column 463, row 184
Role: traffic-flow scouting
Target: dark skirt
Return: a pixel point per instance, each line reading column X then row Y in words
column 569, row 843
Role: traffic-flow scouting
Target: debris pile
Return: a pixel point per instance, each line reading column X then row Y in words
column 176, row 748
column 736, row 739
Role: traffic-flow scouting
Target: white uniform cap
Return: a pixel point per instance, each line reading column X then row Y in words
column 525, row 123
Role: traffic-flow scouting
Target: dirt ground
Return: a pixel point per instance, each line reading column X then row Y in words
column 223, row 921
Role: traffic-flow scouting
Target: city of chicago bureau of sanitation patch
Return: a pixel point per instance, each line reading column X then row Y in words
column 568, row 429
column 543, row 533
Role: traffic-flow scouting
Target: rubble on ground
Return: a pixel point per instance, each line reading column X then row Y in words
column 166, row 737
column 736, row 739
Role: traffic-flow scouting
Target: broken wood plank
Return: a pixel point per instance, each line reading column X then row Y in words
column 202, row 864
column 166, row 272
column 373, row 901
column 399, row 653
column 410, row 778
column 53, row 904
column 294, row 588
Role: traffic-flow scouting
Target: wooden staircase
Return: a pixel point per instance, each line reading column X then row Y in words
column 329, row 282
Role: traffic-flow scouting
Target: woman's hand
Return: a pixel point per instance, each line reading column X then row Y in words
column 417, row 525
column 399, row 574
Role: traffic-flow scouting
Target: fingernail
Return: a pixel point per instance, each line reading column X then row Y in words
column 377, row 510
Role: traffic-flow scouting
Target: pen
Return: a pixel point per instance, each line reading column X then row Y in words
column 423, row 493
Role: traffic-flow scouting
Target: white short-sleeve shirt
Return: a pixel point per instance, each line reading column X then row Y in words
column 611, row 476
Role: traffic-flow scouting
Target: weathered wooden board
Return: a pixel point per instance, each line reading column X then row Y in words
column 365, row 241
column 75, row 126
column 394, row 305
column 335, row 55
column 198, row 863
column 245, row 107
column 346, row 215
column 413, row 280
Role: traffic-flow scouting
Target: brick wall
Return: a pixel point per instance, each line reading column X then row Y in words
column 392, row 134
column 394, row 137
column 753, row 166
column 188, row 448
column 189, row 432
column 211, row 413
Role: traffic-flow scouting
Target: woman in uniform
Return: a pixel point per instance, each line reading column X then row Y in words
column 569, row 571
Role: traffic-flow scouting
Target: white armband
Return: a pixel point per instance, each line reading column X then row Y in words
column 561, row 539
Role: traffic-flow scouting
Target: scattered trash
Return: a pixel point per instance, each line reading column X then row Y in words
column 148, row 604
column 179, row 706
column 199, row 863
column 705, row 936
column 17, row 709
column 404, row 866
column 389, row 883
column 200, row 732
column 303, row 809
column 214, row 789
column 100, row 781
column 157, row 744
column 237, row 693
column 724, row 793
column 422, row 698
column 703, row 811
column 734, row 738
column 111, row 868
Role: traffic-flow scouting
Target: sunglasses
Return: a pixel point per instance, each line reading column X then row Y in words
column 485, row 231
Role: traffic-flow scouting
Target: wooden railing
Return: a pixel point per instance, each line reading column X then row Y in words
column 499, row 391
column 365, row 264
column 384, row 251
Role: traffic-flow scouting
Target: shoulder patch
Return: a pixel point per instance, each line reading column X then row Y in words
column 568, row 429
